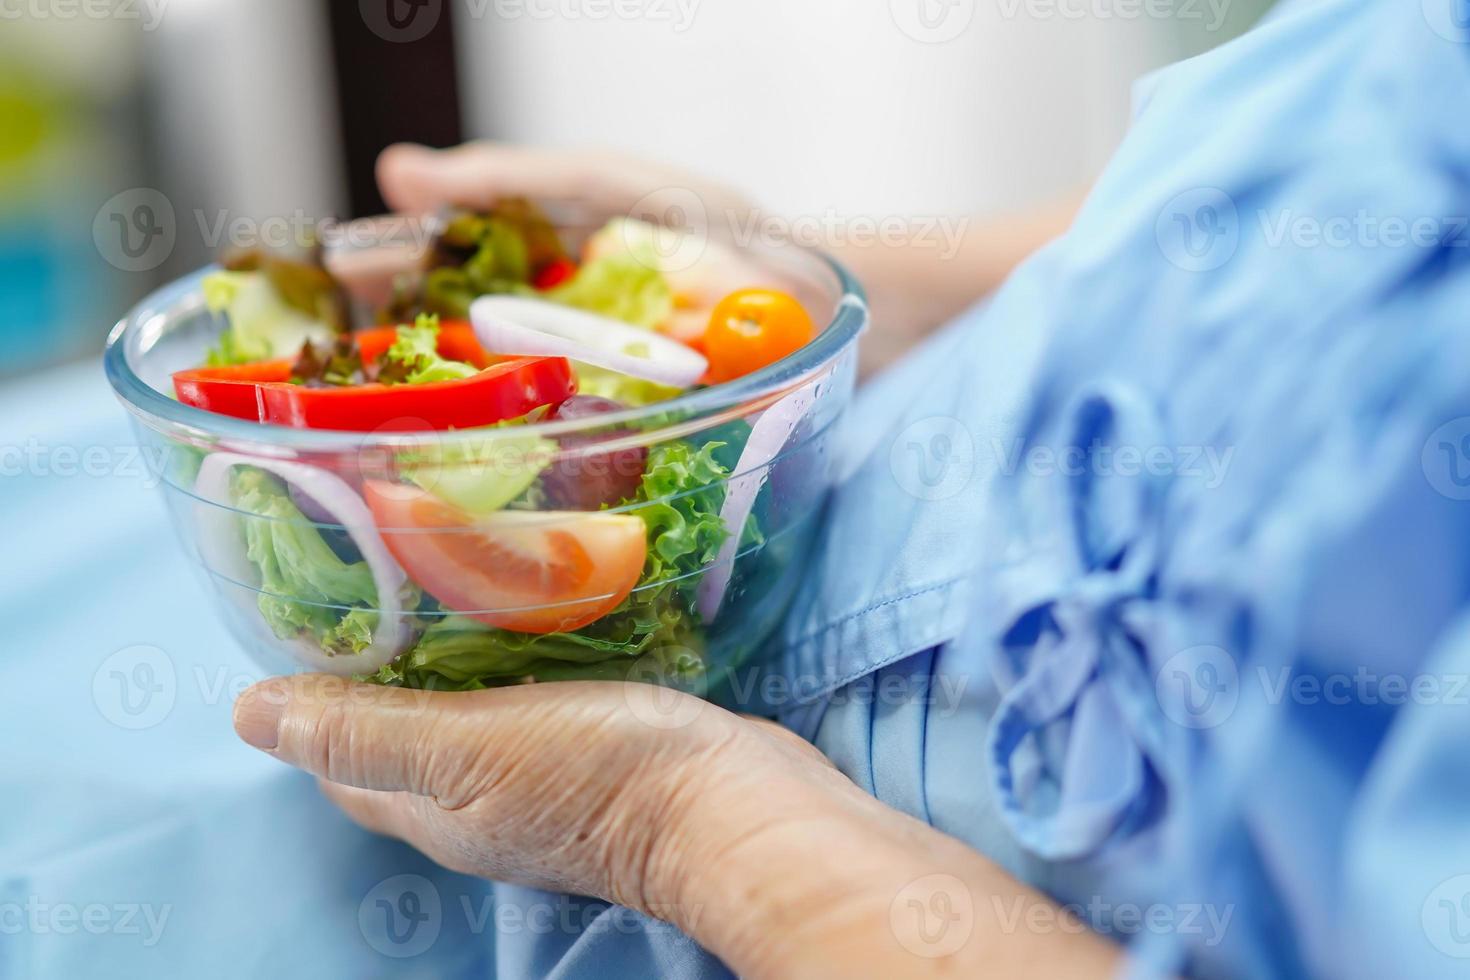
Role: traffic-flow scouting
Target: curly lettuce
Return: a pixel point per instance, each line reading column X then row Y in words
column 306, row 588
column 414, row 357
column 681, row 496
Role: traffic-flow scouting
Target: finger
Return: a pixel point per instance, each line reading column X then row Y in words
column 369, row 274
column 418, row 180
column 382, row 738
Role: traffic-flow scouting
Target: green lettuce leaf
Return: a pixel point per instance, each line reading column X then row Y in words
column 330, row 600
column 498, row 254
column 263, row 326
column 651, row 632
column 414, row 357
column 684, row 490
column 622, row 287
column 624, row 389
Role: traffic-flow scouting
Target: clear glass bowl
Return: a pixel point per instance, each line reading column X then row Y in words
column 699, row 623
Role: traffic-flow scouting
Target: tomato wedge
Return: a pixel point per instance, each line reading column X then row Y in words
column 528, row 572
column 262, row 393
column 456, row 343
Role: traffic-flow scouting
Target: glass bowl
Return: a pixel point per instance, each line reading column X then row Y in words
column 331, row 551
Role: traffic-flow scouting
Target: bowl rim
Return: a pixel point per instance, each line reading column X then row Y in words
column 849, row 320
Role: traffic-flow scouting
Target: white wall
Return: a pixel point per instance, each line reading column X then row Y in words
column 248, row 114
column 816, row 104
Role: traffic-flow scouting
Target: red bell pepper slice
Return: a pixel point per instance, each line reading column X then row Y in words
column 507, row 390
column 554, row 274
column 262, row 393
column 233, row 390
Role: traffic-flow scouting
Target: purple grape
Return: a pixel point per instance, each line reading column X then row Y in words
column 585, row 480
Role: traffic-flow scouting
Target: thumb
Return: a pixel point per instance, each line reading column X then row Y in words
column 383, row 738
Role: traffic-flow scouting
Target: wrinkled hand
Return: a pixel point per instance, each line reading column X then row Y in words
column 613, row 790
column 734, row 830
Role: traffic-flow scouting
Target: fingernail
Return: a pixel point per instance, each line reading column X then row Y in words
column 258, row 719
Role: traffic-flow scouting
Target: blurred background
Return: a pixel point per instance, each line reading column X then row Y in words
column 136, row 136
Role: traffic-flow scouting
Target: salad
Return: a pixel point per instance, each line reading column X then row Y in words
column 479, row 552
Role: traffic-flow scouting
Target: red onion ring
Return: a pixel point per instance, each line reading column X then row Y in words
column 222, row 552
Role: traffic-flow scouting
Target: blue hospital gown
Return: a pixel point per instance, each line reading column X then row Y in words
column 1147, row 579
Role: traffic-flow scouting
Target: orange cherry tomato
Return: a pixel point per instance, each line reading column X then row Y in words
column 752, row 329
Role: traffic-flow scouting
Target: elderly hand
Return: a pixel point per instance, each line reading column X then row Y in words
column 734, row 830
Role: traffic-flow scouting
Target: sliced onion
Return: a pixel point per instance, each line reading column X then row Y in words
column 768, row 437
column 223, row 552
column 520, row 327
